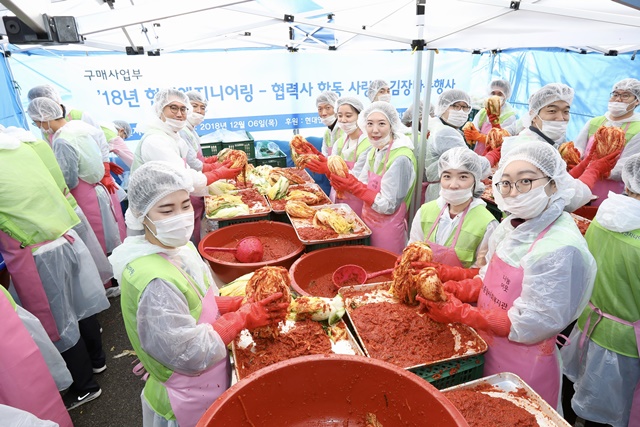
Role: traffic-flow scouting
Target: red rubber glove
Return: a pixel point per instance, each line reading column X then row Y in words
column 494, row 120
column 319, row 166
column 495, row 321
column 212, row 159
column 472, row 135
column 107, row 180
column 599, row 169
column 466, row 290
column 353, row 186
column 494, row 156
column 447, row 272
column 206, row 167
column 115, row 168
column 250, row 316
column 314, row 150
column 222, row 173
column 228, row 304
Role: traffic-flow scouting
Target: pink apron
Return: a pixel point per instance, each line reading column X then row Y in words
column 634, row 417
column 388, row 231
column 191, row 396
column 536, row 364
column 481, row 146
column 116, row 209
column 348, row 198
column 26, row 279
column 85, row 195
column 446, row 254
column 198, row 212
column 22, row 366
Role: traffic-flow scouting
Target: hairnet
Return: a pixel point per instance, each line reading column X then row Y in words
column 450, row 97
column 407, row 116
column 631, row 173
column 195, row 96
column 548, row 94
column 350, row 100
column 44, row 91
column 327, row 97
column 462, row 158
column 149, row 184
column 390, row 113
column 166, row 96
column 44, row 109
column 374, row 87
column 501, row 85
column 630, row 85
column 126, row 127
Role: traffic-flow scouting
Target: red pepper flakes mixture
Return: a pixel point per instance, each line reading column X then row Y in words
column 254, row 200
column 316, row 233
column 275, row 247
column 323, row 286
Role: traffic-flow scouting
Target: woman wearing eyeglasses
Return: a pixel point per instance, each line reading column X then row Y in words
column 624, row 99
column 539, row 276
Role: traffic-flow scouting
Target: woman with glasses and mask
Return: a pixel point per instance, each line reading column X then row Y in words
column 177, row 324
column 623, row 101
column 539, row 276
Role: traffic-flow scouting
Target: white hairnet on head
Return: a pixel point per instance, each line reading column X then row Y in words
column 44, row 91
column 195, row 96
column 631, row 173
column 126, row 127
column 327, row 97
column 165, row 97
column 548, row 94
column 407, row 116
column 450, row 97
column 630, row 85
column 390, row 113
column 374, row 87
column 501, row 85
column 149, row 184
column 462, row 158
column 44, row 109
column 350, row 100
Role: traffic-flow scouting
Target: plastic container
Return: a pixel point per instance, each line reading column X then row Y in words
column 268, row 153
column 210, row 148
column 448, row 374
column 335, row 390
column 229, row 237
column 314, row 265
column 248, row 146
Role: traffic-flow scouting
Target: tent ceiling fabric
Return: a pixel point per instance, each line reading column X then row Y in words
column 593, row 25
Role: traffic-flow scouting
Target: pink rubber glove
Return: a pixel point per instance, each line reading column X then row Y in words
column 353, row 186
column 495, row 321
column 222, row 173
column 107, row 180
column 228, row 304
column 466, row 290
column 318, row 166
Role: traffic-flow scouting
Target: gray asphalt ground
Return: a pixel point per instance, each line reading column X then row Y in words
column 119, row 404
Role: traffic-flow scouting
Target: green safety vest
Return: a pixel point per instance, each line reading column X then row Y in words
column 482, row 116
column 32, row 208
column 362, row 147
column 616, row 255
column 74, row 115
column 394, row 154
column 135, row 278
column 631, row 131
column 473, row 230
column 109, row 134
column 9, row 297
column 191, row 138
column 44, row 151
column 328, row 140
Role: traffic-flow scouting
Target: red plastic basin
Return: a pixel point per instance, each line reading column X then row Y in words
column 311, row 273
column 335, row 390
column 275, row 236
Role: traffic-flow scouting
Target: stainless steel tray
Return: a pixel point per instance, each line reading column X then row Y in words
column 278, row 205
column 260, row 209
column 507, row 382
column 361, row 230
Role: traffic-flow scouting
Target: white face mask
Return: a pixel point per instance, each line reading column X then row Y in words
column 195, row 118
column 554, row 129
column 328, row 121
column 47, row 131
column 456, row 197
column 524, row 206
column 380, row 143
column 618, row 109
column 174, row 231
column 385, row 98
column 457, row 118
column 175, row 125
column 348, row 127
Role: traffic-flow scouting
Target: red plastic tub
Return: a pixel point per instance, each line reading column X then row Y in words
column 281, row 244
column 332, row 390
column 311, row 273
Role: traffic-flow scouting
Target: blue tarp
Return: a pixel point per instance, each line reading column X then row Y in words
column 11, row 113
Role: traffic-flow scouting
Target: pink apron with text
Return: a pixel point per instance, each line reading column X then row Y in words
column 388, row 231
column 634, row 417
column 446, row 254
column 481, row 146
column 348, row 198
column 85, row 195
column 22, row 366
column 536, row 364
column 191, row 396
column 198, row 211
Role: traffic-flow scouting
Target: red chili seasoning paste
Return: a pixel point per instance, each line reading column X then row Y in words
column 305, row 338
column 275, row 247
column 482, row 410
column 323, row 286
column 254, row 200
column 316, row 233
